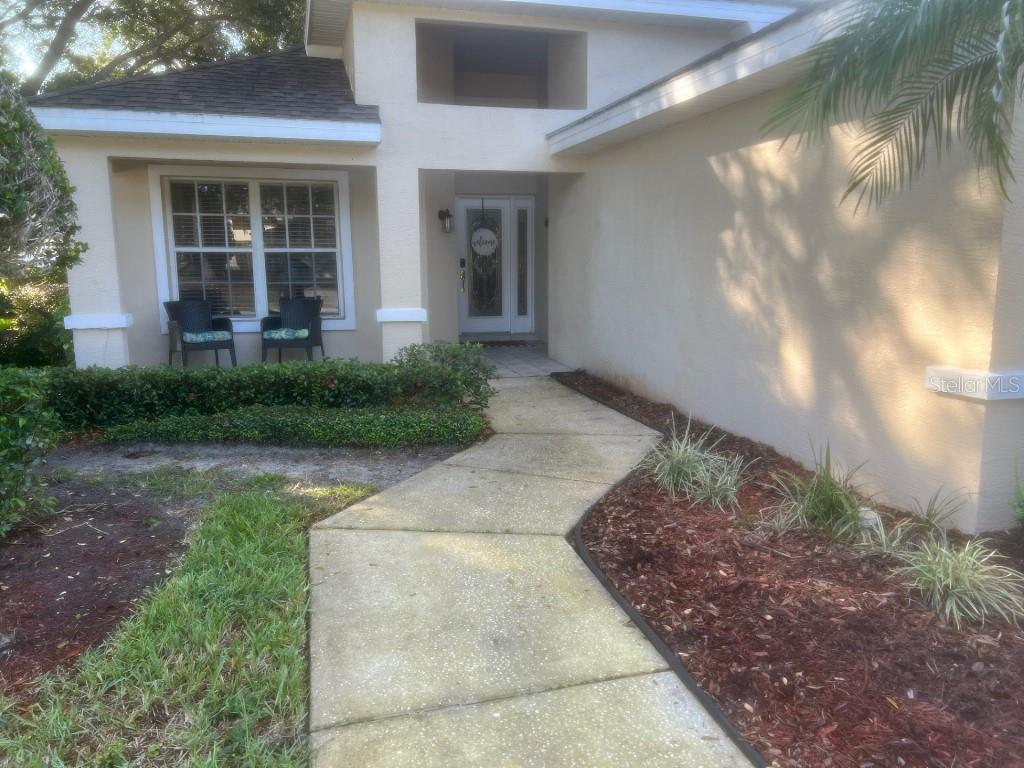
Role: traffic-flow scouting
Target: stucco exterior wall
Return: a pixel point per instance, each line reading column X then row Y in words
column 118, row 273
column 711, row 267
column 438, row 191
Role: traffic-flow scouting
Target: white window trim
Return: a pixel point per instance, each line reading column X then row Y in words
column 163, row 248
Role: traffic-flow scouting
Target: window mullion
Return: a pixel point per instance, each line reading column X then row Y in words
column 259, row 267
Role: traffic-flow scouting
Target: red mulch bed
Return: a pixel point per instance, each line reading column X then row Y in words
column 814, row 653
column 65, row 583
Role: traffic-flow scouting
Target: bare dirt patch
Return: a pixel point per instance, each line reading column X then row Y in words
column 64, row 584
column 379, row 468
column 815, row 653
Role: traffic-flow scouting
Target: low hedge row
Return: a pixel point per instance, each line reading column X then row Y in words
column 302, row 426
column 440, row 373
column 27, row 431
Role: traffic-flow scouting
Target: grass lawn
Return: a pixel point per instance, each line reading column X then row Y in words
column 211, row 669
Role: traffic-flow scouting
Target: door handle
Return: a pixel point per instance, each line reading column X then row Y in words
column 462, row 279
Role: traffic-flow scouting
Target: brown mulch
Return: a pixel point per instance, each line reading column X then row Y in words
column 66, row 582
column 815, row 654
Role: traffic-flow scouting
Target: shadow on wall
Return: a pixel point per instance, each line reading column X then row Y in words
column 783, row 315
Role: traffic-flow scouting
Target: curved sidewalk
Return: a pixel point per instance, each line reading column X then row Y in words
column 453, row 625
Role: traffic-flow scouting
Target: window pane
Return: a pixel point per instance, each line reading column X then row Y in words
column 302, row 268
column 299, row 233
column 211, row 198
column 239, row 230
column 190, row 291
column 183, row 197
column 190, row 268
column 213, row 231
column 237, row 198
column 277, row 267
column 219, row 296
column 327, row 282
column 215, row 267
column 185, row 229
column 298, row 199
column 273, row 232
column 323, row 198
column 274, row 293
column 323, row 232
column 272, row 199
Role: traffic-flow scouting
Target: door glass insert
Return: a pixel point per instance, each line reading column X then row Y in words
column 522, row 262
column 484, row 262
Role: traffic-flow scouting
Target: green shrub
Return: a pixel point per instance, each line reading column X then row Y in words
column 32, row 329
column 302, row 426
column 27, row 431
column 963, row 583
column 828, row 500
column 691, row 465
column 431, row 374
column 467, row 367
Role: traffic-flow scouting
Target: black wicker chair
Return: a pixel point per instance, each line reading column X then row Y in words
column 298, row 326
column 193, row 328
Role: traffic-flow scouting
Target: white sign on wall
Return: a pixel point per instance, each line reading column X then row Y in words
column 483, row 241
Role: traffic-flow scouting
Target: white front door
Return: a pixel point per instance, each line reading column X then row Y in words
column 495, row 264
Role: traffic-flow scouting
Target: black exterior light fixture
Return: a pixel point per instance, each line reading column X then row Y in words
column 446, row 220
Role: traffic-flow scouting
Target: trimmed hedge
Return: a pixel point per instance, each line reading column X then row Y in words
column 302, row 426
column 27, row 431
column 440, row 373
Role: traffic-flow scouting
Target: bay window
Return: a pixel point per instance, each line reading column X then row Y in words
column 244, row 243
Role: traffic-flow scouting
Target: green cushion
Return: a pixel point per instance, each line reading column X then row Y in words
column 206, row 336
column 286, row 334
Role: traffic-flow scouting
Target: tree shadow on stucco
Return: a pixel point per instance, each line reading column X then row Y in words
column 832, row 314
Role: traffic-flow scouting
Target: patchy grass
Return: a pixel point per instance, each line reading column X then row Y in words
column 212, row 668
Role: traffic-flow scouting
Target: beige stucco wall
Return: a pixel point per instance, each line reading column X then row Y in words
column 118, row 273
column 707, row 266
column 438, row 191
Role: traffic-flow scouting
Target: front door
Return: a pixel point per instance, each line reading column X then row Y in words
column 495, row 264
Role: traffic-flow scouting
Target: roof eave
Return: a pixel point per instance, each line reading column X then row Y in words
column 762, row 62
column 76, row 121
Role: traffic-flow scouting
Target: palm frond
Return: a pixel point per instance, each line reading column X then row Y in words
column 919, row 74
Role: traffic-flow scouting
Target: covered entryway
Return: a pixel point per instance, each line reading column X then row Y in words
column 496, row 244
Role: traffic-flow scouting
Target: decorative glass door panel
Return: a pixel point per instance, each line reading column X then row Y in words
column 484, row 258
column 494, row 264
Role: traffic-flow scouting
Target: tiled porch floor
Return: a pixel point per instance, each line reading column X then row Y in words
column 520, row 361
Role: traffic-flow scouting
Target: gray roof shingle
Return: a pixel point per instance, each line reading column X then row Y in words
column 286, row 84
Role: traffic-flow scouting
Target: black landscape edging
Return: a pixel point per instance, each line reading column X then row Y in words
column 709, row 704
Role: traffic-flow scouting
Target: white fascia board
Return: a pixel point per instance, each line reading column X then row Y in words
column 124, row 122
column 323, row 51
column 758, row 57
column 756, row 14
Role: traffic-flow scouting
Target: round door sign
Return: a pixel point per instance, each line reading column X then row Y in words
column 483, row 241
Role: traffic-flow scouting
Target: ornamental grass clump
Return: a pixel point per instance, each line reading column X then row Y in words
column 963, row 583
column 828, row 500
column 690, row 465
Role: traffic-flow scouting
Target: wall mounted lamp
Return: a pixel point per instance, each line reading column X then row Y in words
column 446, row 220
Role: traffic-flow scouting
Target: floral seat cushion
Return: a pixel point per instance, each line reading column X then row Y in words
column 204, row 337
column 286, row 334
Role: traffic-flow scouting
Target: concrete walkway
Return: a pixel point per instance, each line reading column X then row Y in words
column 453, row 624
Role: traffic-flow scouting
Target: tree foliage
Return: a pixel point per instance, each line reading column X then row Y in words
column 920, row 76
column 84, row 41
column 38, row 224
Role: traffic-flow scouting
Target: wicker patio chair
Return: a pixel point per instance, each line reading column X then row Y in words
column 193, row 328
column 298, row 326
